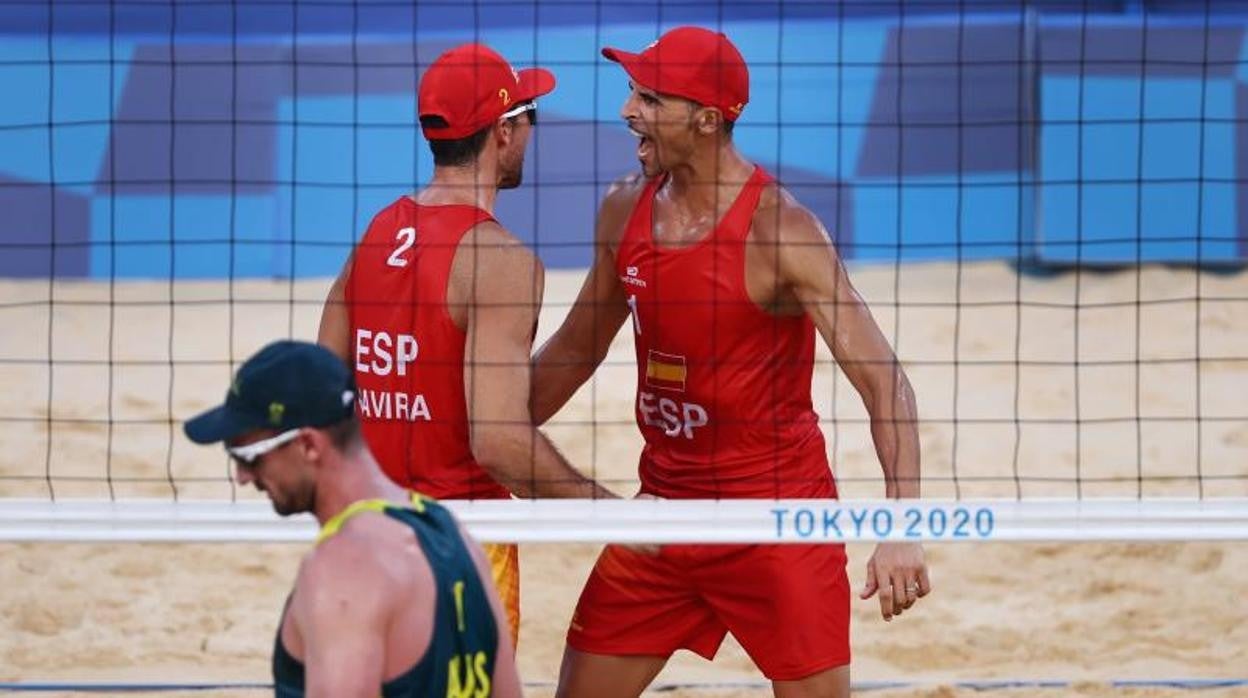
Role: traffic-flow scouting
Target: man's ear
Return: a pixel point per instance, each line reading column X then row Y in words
column 313, row 442
column 504, row 130
column 708, row 120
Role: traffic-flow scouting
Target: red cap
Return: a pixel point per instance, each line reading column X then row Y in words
column 694, row 63
column 471, row 86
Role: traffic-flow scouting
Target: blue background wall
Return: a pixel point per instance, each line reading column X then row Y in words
column 253, row 139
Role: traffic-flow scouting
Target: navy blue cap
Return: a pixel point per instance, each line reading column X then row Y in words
column 286, row 385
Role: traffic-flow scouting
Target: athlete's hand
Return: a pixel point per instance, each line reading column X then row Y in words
column 898, row 572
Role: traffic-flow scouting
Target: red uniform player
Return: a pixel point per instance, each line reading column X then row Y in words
column 726, row 278
column 436, row 308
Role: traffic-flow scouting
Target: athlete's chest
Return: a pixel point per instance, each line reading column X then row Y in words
column 718, row 275
column 692, row 303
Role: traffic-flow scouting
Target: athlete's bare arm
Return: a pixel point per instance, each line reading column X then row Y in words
column 335, row 332
column 504, row 295
column 809, row 271
column 341, row 608
column 572, row 353
column 506, row 678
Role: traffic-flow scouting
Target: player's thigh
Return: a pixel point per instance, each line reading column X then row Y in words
column 638, row 604
column 588, row 675
column 788, row 605
column 830, row 683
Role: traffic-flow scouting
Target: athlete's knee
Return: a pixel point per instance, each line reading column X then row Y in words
column 571, row 675
column 829, row 683
column 561, row 688
column 587, row 675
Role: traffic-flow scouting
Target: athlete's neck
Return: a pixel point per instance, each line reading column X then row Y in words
column 474, row 185
column 355, row 478
column 711, row 178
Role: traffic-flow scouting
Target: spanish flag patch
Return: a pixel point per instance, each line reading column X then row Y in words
column 666, row 371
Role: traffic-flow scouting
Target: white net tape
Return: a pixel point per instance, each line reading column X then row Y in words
column 664, row 521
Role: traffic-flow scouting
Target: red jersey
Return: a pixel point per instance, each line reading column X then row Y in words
column 723, row 387
column 408, row 353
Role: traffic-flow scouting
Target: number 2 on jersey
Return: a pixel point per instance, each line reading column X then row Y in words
column 407, row 236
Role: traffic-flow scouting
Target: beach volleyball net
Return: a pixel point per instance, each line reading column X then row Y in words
column 1041, row 202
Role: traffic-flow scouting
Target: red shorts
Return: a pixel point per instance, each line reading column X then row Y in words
column 788, row 605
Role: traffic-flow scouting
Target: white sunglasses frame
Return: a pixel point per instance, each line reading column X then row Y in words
column 518, row 110
column 250, row 453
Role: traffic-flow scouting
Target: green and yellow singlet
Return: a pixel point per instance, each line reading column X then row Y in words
column 459, row 662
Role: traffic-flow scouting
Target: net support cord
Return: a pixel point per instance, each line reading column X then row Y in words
column 662, row 521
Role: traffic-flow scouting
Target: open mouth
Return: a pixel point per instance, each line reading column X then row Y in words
column 645, row 147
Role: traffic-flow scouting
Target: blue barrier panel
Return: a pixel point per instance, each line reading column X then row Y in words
column 211, row 140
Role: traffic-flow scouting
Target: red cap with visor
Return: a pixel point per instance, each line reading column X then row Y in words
column 471, row 86
column 694, row 63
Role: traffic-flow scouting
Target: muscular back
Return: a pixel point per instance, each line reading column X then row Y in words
column 397, row 592
column 407, row 348
column 399, row 576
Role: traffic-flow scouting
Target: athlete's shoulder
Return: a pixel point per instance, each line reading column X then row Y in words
column 491, row 264
column 489, row 244
column 371, row 551
column 626, row 189
column 359, row 580
column 491, row 232
column 617, row 206
column 780, row 217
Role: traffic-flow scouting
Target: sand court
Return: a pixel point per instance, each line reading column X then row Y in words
column 1020, row 395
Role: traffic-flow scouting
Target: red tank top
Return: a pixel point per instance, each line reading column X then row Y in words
column 723, row 387
column 408, row 353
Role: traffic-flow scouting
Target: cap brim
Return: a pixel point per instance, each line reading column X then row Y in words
column 615, row 54
column 535, row 82
column 642, row 73
column 217, row 424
